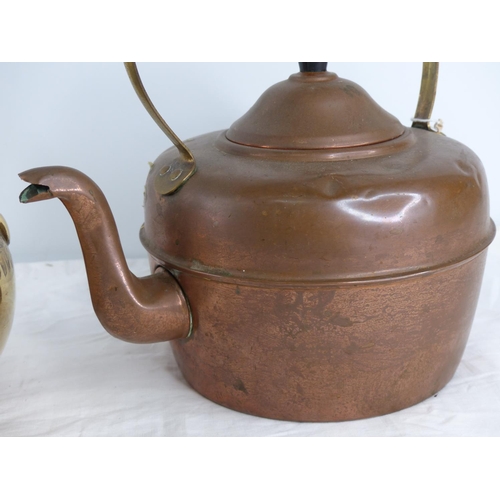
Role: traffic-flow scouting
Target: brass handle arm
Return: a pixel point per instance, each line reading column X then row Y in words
column 133, row 74
column 185, row 166
column 427, row 96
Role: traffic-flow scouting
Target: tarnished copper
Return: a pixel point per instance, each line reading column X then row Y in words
column 7, row 284
column 332, row 257
column 331, row 352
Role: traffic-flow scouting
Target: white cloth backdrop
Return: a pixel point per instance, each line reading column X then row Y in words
column 62, row 375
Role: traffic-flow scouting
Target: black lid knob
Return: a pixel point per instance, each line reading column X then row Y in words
column 312, row 67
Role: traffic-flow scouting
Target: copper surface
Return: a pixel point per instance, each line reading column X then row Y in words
column 271, row 220
column 314, row 111
column 332, row 262
column 7, row 284
column 332, row 353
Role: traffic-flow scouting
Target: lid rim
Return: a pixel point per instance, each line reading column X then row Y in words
column 400, row 143
column 320, row 139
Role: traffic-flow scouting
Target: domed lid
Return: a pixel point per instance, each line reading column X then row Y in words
column 314, row 109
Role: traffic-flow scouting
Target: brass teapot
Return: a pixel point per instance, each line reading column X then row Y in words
column 7, row 289
column 317, row 261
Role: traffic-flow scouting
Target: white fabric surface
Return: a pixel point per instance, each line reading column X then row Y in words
column 62, row 375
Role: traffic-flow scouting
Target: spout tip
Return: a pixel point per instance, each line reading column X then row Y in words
column 35, row 192
column 32, row 176
column 41, row 180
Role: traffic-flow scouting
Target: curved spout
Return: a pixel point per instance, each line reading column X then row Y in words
column 141, row 310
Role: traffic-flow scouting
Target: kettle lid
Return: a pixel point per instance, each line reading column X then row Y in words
column 314, row 109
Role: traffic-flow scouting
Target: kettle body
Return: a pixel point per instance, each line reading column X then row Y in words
column 317, row 261
column 331, row 290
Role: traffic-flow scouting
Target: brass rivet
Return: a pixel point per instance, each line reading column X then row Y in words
column 176, row 174
column 165, row 170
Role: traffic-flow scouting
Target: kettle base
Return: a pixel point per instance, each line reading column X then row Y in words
column 328, row 353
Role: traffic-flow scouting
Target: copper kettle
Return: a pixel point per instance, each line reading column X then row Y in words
column 317, row 261
column 7, row 290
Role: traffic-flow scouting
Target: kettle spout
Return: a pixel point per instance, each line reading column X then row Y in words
column 141, row 310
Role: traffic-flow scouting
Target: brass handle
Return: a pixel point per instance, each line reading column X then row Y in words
column 427, row 96
column 171, row 177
